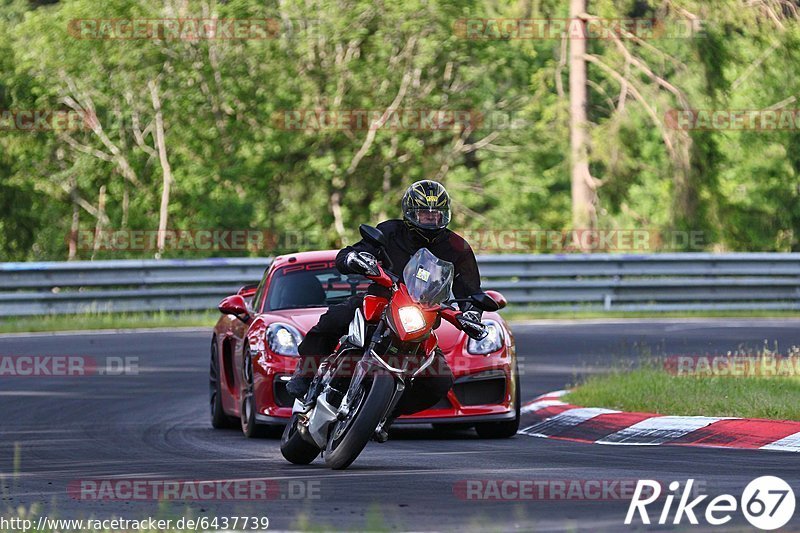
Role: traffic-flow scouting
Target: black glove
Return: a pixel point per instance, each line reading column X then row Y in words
column 473, row 315
column 362, row 263
column 470, row 322
column 472, row 312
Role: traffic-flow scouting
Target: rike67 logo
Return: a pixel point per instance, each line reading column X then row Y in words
column 767, row 503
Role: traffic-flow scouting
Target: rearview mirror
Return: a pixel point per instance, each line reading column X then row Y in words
column 372, row 235
column 486, row 301
column 498, row 298
column 234, row 305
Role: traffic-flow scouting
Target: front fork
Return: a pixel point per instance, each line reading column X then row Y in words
column 363, row 368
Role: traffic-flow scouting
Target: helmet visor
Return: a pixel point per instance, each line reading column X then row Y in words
column 429, row 218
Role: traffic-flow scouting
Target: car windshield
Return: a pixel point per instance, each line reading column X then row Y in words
column 311, row 285
column 428, row 278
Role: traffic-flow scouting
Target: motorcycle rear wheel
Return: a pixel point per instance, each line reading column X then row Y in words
column 294, row 448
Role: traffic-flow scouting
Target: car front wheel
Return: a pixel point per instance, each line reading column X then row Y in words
column 248, row 409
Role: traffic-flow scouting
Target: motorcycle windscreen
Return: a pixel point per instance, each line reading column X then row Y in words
column 428, row 278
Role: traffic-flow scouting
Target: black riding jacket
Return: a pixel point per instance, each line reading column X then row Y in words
column 403, row 241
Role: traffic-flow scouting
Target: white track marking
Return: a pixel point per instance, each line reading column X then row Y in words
column 535, row 406
column 658, row 430
column 786, row 444
column 545, row 400
column 570, row 418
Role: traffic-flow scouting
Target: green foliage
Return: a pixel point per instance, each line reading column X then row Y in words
column 234, row 167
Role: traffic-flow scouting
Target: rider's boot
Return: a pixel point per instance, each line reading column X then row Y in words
column 298, row 386
column 303, row 375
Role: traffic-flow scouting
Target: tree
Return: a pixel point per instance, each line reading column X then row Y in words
column 584, row 215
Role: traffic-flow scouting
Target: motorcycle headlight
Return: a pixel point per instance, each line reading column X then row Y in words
column 283, row 339
column 491, row 343
column 411, row 318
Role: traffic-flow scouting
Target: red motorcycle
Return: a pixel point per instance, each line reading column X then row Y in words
column 390, row 342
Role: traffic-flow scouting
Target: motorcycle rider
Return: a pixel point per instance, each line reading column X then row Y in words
column 426, row 214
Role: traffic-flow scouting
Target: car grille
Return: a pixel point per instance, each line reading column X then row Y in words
column 480, row 389
column 282, row 397
column 444, row 403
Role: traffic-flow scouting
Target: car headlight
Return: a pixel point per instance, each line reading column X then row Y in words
column 491, row 343
column 411, row 318
column 283, row 339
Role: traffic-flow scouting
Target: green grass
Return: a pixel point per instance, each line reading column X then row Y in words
column 107, row 321
column 653, row 390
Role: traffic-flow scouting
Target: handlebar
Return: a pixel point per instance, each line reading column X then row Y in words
column 474, row 330
column 383, row 278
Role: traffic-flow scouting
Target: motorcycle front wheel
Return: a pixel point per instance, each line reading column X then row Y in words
column 349, row 436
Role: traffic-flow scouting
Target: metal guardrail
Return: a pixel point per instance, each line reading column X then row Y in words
column 661, row 282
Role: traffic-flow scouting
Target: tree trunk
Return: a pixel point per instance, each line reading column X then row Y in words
column 101, row 217
column 584, row 216
column 166, row 170
column 338, row 217
column 126, row 202
column 76, row 223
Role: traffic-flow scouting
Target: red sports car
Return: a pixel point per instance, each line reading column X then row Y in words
column 254, row 353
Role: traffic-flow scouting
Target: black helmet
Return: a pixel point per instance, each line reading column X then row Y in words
column 426, row 205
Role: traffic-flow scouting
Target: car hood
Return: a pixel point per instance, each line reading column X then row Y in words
column 302, row 319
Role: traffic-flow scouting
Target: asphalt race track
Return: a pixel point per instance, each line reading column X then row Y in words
column 154, row 424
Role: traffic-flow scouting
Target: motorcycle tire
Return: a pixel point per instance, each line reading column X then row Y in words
column 343, row 450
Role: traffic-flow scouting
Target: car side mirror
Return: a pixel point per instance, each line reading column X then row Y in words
column 236, row 306
column 372, row 235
